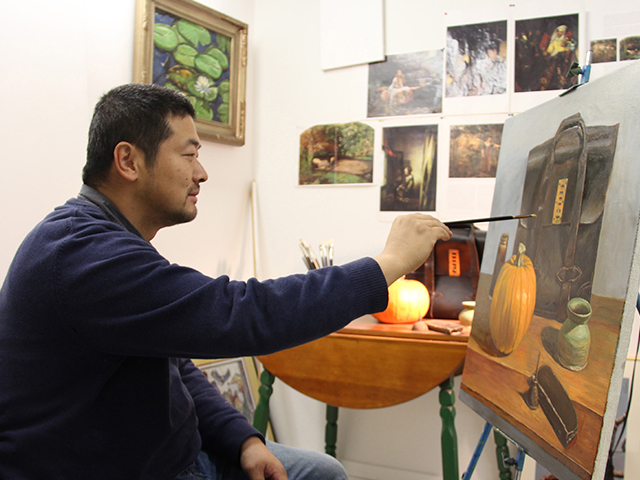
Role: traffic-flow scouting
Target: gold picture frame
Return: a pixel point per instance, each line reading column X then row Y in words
column 238, row 381
column 201, row 52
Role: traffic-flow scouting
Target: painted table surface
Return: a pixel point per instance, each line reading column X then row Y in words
column 370, row 365
column 503, row 380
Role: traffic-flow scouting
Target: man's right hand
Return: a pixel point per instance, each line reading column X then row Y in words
column 409, row 244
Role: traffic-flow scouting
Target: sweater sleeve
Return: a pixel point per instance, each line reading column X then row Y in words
column 118, row 295
column 222, row 428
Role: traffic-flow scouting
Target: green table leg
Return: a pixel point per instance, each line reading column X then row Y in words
column 261, row 415
column 331, row 431
column 502, row 454
column 449, row 438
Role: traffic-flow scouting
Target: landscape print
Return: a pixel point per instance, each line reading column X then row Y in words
column 336, row 154
column 406, row 84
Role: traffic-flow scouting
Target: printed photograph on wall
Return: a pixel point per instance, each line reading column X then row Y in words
column 410, row 168
column 474, row 150
column 557, row 292
column 340, row 153
column 406, row 84
column 233, row 380
column 545, row 49
column 604, row 50
column 630, row 48
column 476, row 59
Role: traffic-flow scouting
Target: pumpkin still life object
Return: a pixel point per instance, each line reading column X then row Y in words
column 408, row 302
column 513, row 303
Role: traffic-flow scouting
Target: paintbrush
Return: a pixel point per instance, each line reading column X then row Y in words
column 488, row 219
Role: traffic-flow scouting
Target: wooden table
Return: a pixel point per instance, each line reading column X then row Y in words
column 372, row 365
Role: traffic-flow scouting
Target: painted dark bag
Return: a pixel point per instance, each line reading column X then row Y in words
column 565, row 186
column 452, row 271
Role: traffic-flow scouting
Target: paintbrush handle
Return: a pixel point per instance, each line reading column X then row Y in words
column 488, row 219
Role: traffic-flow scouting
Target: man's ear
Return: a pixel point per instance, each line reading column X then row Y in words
column 126, row 160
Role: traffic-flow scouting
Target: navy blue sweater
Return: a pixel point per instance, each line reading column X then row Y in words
column 95, row 327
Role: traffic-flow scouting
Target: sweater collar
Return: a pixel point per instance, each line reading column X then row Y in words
column 92, row 195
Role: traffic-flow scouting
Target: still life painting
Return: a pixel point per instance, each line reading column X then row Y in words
column 557, row 290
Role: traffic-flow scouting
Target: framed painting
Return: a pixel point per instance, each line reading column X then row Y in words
column 200, row 52
column 238, row 382
column 557, row 292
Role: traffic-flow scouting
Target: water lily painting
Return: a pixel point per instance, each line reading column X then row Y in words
column 201, row 53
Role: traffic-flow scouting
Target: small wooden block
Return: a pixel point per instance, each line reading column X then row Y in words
column 444, row 326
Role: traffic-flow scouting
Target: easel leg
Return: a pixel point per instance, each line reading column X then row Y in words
column 502, row 454
column 449, row 438
column 505, row 462
column 261, row 415
column 331, row 431
column 478, row 451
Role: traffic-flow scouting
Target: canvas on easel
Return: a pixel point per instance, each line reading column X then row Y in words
column 557, row 292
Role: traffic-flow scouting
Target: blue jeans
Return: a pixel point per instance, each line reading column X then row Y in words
column 300, row 464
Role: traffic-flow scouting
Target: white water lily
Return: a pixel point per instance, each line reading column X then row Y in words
column 203, row 85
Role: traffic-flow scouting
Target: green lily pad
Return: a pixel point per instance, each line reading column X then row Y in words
column 181, row 39
column 203, row 110
column 209, row 65
column 224, row 86
column 223, row 112
column 185, row 55
column 180, row 74
column 194, row 33
column 224, row 42
column 216, row 53
column 164, row 37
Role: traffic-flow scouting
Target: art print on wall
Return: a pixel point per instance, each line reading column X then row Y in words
column 545, row 49
column 476, row 59
column 604, row 50
column 410, row 168
column 335, row 154
column 630, row 48
column 406, row 84
column 199, row 52
column 474, row 150
column 556, row 297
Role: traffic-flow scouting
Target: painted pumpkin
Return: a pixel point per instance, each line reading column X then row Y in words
column 513, row 303
column 408, row 302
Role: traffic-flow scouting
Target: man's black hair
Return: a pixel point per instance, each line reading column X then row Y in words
column 136, row 113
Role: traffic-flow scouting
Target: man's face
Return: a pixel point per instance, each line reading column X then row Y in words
column 169, row 188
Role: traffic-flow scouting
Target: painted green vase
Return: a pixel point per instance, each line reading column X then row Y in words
column 574, row 338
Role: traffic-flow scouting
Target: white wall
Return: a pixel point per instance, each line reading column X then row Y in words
column 59, row 57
